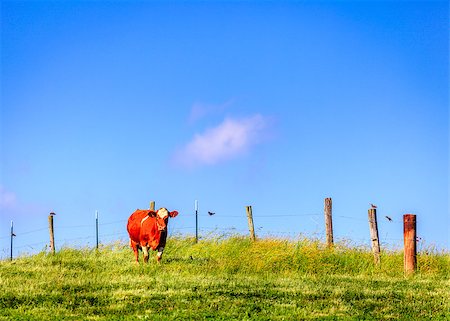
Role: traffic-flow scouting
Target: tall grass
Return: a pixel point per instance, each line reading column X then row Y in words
column 310, row 257
column 225, row 279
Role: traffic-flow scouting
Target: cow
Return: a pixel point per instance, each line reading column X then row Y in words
column 148, row 230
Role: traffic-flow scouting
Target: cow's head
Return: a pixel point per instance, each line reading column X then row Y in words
column 162, row 217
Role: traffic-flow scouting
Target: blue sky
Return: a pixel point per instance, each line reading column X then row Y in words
column 108, row 105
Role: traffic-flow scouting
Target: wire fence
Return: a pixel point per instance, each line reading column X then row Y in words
column 189, row 230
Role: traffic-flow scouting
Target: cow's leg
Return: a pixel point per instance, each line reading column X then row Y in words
column 161, row 245
column 135, row 248
column 145, row 250
column 160, row 253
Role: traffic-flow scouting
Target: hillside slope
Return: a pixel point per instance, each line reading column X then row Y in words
column 224, row 279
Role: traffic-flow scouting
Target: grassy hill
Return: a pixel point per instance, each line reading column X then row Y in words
column 225, row 279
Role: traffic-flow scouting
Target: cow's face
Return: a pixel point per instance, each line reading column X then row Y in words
column 162, row 218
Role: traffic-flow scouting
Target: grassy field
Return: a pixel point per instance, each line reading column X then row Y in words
column 225, row 279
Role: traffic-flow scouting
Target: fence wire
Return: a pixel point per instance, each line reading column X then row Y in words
column 187, row 230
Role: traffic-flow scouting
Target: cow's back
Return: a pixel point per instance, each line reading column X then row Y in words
column 134, row 224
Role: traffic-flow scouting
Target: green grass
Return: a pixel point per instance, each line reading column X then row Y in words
column 225, row 279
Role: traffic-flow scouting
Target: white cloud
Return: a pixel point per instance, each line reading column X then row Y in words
column 8, row 199
column 233, row 137
column 201, row 110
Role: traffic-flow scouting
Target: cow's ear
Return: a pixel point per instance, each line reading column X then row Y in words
column 152, row 213
column 173, row 214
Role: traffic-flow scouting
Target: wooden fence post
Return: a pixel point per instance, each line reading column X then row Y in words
column 410, row 247
column 52, row 234
column 251, row 227
column 152, row 205
column 328, row 221
column 374, row 239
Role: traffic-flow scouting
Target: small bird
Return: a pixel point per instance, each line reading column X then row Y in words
column 211, row 213
column 388, row 218
column 372, row 205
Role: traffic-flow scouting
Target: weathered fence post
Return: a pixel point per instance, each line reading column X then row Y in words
column 251, row 227
column 328, row 221
column 196, row 221
column 374, row 239
column 12, row 236
column 152, row 205
column 96, row 227
column 409, row 239
column 52, row 234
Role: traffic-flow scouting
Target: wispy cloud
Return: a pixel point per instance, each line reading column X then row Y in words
column 230, row 139
column 12, row 206
column 8, row 200
column 201, row 110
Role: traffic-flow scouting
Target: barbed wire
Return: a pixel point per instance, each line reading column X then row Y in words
column 33, row 231
column 190, row 215
column 210, row 230
column 114, row 222
column 75, row 226
column 30, row 245
column 244, row 216
column 61, row 227
column 204, row 230
column 228, row 230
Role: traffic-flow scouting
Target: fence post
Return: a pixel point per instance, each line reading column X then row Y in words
column 96, row 227
column 328, row 221
column 196, row 221
column 52, row 234
column 251, row 227
column 374, row 239
column 409, row 239
column 152, row 205
column 12, row 236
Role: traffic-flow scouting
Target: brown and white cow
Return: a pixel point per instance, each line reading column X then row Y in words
column 148, row 230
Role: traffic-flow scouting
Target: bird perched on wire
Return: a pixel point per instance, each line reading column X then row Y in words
column 388, row 218
column 372, row 205
column 211, row 213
